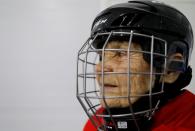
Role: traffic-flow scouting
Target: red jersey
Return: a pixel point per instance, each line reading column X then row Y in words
column 177, row 115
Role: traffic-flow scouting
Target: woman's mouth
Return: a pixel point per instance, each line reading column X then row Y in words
column 109, row 86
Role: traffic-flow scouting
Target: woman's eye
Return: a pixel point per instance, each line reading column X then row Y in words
column 123, row 53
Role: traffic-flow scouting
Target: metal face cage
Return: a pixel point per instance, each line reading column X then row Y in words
column 90, row 93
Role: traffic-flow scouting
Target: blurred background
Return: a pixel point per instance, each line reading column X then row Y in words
column 39, row 41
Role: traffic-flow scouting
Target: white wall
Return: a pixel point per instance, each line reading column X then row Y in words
column 185, row 6
column 39, row 40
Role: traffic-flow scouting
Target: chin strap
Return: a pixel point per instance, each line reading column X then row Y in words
column 126, row 123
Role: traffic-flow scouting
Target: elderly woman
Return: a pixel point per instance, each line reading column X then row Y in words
column 132, row 70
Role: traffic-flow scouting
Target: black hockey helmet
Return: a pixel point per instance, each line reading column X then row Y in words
column 148, row 17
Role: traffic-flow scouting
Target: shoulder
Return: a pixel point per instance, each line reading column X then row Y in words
column 177, row 113
column 168, row 128
column 89, row 126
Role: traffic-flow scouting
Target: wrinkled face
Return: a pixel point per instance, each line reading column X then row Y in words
column 116, row 84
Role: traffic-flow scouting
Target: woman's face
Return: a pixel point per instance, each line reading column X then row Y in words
column 116, row 85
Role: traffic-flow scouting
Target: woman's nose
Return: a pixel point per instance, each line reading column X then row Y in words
column 106, row 67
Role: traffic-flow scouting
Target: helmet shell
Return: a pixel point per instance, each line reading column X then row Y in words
column 148, row 17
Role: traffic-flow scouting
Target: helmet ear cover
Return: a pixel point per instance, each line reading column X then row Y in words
column 174, row 64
